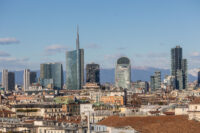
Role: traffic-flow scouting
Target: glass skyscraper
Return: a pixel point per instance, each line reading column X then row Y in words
column 51, row 73
column 123, row 73
column 179, row 68
column 156, row 81
column 75, row 67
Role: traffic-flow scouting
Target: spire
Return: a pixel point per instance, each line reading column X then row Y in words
column 77, row 39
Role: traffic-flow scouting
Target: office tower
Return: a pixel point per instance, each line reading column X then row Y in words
column 176, row 59
column 184, row 71
column 51, row 74
column 11, row 81
column 29, row 78
column 92, row 73
column 5, row 79
column 156, row 81
column 179, row 68
column 157, row 77
column 198, row 82
column 8, row 80
column 152, row 83
column 26, row 79
column 33, row 77
column 123, row 73
column 75, row 67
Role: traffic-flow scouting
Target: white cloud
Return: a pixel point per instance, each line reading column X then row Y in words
column 194, row 72
column 4, row 54
column 92, row 46
column 54, row 49
column 13, row 63
column 9, row 40
column 195, row 54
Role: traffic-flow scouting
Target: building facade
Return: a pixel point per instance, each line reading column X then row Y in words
column 8, row 80
column 156, row 81
column 5, row 79
column 93, row 73
column 75, row 67
column 29, row 78
column 179, row 68
column 11, row 81
column 51, row 73
column 123, row 73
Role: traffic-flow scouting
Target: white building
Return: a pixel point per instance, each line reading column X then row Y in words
column 194, row 110
column 26, row 79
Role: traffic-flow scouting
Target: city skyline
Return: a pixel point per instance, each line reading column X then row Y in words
column 109, row 40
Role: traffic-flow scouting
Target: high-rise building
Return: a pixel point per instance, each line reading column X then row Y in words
column 5, row 79
column 152, row 83
column 156, row 81
column 11, row 81
column 33, row 77
column 157, row 77
column 75, row 67
column 29, row 78
column 123, row 73
column 184, row 70
column 26, row 79
column 198, row 81
column 92, row 73
column 8, row 80
column 179, row 68
column 51, row 73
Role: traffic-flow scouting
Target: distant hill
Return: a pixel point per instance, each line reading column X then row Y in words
column 108, row 75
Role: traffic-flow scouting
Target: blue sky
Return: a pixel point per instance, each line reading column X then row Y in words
column 34, row 32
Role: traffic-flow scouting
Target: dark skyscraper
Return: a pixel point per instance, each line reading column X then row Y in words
column 33, row 77
column 51, row 73
column 198, row 82
column 176, row 59
column 75, row 67
column 11, row 81
column 179, row 68
column 92, row 73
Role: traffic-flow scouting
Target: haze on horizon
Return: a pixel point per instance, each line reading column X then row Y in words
column 34, row 32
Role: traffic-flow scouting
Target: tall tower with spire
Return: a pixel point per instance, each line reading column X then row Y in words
column 75, row 67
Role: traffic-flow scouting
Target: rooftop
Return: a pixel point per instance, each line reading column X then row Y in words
column 154, row 124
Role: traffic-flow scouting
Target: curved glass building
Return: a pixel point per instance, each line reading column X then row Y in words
column 123, row 73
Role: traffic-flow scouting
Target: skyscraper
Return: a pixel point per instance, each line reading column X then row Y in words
column 33, row 77
column 156, row 81
column 184, row 71
column 198, row 82
column 123, row 73
column 179, row 68
column 51, row 73
column 157, row 77
column 29, row 78
column 11, row 81
column 75, row 67
column 92, row 73
column 26, row 79
column 8, row 80
column 152, row 83
column 5, row 79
